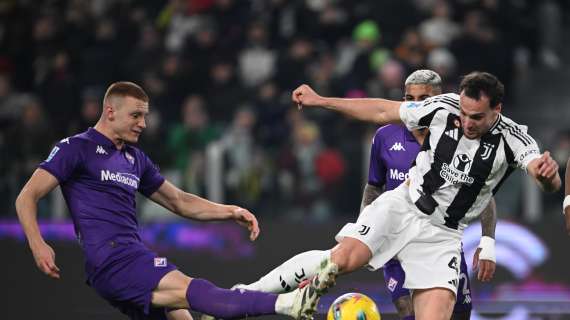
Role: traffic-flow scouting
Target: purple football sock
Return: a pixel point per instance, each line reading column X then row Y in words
column 409, row 318
column 203, row 296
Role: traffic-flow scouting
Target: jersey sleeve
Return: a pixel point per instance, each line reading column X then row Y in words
column 63, row 160
column 524, row 147
column 151, row 179
column 376, row 169
column 416, row 115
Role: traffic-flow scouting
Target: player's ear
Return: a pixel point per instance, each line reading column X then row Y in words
column 498, row 107
column 109, row 111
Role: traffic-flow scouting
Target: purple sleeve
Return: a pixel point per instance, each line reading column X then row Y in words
column 376, row 170
column 151, row 179
column 63, row 159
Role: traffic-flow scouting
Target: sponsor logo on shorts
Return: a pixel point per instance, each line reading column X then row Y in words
column 453, row 282
column 160, row 262
column 364, row 230
column 392, row 283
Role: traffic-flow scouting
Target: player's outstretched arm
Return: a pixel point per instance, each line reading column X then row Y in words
column 40, row 184
column 566, row 203
column 194, row 207
column 379, row 111
column 545, row 171
column 484, row 258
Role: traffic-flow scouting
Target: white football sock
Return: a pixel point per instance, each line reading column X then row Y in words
column 287, row 276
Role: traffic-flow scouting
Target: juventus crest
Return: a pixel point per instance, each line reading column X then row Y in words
column 487, row 150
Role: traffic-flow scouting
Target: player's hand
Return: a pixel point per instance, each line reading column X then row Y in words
column 485, row 268
column 547, row 168
column 246, row 219
column 45, row 259
column 306, row 96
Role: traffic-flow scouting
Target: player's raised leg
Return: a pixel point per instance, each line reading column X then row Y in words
column 290, row 274
column 176, row 290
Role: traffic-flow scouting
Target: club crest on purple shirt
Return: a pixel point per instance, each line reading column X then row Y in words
column 130, row 158
column 160, row 262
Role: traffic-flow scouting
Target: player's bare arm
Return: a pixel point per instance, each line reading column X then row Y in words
column 545, row 171
column 40, row 184
column 484, row 257
column 371, row 192
column 566, row 203
column 194, row 207
column 375, row 110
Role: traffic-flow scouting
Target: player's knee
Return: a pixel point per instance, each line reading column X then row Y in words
column 178, row 314
column 350, row 255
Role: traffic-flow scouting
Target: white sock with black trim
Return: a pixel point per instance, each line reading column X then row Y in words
column 288, row 275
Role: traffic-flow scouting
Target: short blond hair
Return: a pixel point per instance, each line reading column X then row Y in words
column 124, row 89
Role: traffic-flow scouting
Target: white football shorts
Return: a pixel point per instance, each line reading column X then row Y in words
column 392, row 227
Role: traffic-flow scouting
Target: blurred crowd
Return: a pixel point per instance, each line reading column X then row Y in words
column 220, row 72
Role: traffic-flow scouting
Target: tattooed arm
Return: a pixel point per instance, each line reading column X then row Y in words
column 484, row 257
column 371, row 192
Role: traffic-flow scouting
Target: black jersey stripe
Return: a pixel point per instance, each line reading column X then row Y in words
column 496, row 123
column 452, row 101
column 510, row 157
column 443, row 99
column 451, row 104
column 516, row 131
column 503, row 126
column 426, row 120
column 480, row 171
column 443, row 153
column 523, row 134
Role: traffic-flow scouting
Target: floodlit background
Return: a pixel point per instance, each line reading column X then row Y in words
column 219, row 74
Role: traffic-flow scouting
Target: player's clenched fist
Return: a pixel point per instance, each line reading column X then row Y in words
column 547, row 168
column 306, row 96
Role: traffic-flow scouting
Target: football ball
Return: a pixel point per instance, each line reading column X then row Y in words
column 353, row 306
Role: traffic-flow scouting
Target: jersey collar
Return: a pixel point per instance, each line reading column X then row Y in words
column 409, row 136
column 495, row 124
column 99, row 137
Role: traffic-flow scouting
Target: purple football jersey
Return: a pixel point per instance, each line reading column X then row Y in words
column 99, row 184
column 394, row 149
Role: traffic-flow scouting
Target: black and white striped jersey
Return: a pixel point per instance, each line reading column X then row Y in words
column 454, row 177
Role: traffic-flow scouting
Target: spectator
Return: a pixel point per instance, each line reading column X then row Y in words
column 188, row 140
